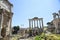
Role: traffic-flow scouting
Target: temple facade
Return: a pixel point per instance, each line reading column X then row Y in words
column 36, row 22
column 5, row 18
column 54, row 25
column 36, row 25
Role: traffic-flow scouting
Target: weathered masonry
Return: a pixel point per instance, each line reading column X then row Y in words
column 54, row 25
column 36, row 25
column 5, row 18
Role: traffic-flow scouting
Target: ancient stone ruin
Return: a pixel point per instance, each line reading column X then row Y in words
column 5, row 19
column 36, row 25
column 54, row 25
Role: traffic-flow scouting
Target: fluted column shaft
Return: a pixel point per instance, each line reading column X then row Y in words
column 37, row 23
column 1, row 24
column 30, row 23
column 34, row 23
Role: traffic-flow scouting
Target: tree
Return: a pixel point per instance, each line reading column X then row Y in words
column 15, row 29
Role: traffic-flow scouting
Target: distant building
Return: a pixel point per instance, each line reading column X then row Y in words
column 54, row 25
column 5, row 18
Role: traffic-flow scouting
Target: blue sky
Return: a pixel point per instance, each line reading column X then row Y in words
column 26, row 9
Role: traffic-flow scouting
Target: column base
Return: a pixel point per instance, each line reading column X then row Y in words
column 1, row 37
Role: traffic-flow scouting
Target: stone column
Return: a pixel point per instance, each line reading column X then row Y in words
column 0, row 23
column 8, row 27
column 42, row 25
column 37, row 23
column 11, row 25
column 42, row 22
column 29, row 23
column 34, row 23
column 59, row 13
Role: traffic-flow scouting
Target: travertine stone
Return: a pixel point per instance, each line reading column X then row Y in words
column 5, row 18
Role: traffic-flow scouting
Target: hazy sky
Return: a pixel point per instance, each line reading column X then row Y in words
column 26, row 9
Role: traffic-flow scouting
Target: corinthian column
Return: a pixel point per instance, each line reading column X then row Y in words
column 34, row 23
column 37, row 23
column 0, row 24
column 42, row 23
column 1, row 20
column 10, row 25
column 29, row 24
column 59, row 13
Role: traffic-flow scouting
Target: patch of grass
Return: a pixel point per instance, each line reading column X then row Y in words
column 49, row 36
column 37, row 38
column 53, row 37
